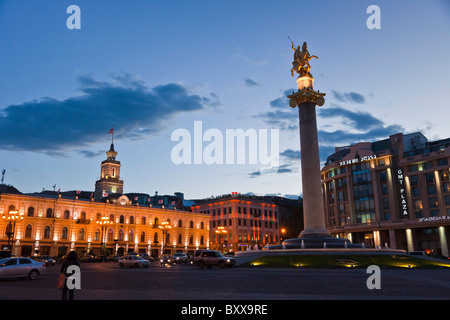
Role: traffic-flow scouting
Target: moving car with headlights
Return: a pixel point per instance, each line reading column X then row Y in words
column 21, row 268
column 133, row 261
column 47, row 260
column 211, row 258
column 166, row 259
column 180, row 257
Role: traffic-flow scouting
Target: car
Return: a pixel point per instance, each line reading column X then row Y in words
column 197, row 254
column 166, row 259
column 180, row 257
column 21, row 267
column 113, row 258
column 88, row 258
column 145, row 256
column 47, row 260
column 211, row 258
column 132, row 260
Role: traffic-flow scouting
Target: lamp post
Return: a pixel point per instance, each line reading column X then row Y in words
column 11, row 219
column 164, row 226
column 220, row 232
column 104, row 222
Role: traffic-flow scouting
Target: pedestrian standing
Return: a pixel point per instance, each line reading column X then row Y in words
column 71, row 259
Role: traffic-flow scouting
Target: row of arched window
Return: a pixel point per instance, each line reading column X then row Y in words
column 66, row 215
column 110, row 235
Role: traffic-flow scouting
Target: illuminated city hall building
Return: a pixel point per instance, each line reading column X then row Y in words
column 104, row 221
column 393, row 192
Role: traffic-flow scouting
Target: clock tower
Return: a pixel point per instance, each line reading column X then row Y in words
column 109, row 182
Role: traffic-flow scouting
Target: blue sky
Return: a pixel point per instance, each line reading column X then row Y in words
column 150, row 67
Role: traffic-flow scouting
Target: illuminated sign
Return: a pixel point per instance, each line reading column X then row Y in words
column 356, row 160
column 404, row 205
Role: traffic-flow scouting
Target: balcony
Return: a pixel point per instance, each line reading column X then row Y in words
column 83, row 221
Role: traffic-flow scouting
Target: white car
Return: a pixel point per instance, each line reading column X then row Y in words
column 133, row 261
column 21, row 268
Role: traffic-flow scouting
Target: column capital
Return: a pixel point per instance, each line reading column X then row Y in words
column 306, row 95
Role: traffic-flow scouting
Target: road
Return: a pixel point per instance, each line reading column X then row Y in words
column 106, row 281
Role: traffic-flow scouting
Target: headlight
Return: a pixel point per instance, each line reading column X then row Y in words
column 161, row 260
column 228, row 260
column 168, row 260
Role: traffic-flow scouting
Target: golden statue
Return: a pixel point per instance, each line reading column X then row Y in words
column 301, row 60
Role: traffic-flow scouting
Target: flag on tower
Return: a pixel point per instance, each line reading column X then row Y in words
column 111, row 131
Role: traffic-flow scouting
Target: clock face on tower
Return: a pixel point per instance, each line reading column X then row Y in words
column 113, row 189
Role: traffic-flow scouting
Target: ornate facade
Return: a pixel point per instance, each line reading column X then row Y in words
column 55, row 224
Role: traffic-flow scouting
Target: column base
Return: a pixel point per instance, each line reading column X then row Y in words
column 315, row 233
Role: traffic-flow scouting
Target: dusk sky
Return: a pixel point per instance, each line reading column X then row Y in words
column 151, row 67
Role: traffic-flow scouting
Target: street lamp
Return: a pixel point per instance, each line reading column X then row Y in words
column 104, row 222
column 220, row 232
column 283, row 231
column 164, row 226
column 11, row 219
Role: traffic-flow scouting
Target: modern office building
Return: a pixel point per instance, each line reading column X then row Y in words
column 393, row 192
column 239, row 222
column 54, row 223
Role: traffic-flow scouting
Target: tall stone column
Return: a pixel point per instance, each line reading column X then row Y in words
column 306, row 99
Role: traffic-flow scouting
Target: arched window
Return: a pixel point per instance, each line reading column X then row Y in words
column 30, row 211
column 121, row 235
column 11, row 208
column 191, row 224
column 180, row 223
column 113, row 172
column 156, row 221
column 110, row 235
column 179, row 238
column 131, row 220
column 67, row 214
column 167, row 237
column 155, row 237
column 122, row 219
column 47, row 232
column 99, row 216
column 131, row 236
column 83, row 215
column 111, row 218
column 143, row 221
column 191, row 239
column 64, row 233
column 202, row 225
column 202, row 240
column 97, row 235
column 81, row 234
column 143, row 236
column 28, row 230
column 49, row 213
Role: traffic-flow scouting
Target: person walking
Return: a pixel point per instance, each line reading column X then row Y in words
column 71, row 259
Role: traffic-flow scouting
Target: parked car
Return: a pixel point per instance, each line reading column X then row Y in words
column 21, row 268
column 166, row 259
column 211, row 258
column 133, row 261
column 102, row 259
column 47, row 260
column 113, row 258
column 180, row 257
column 88, row 258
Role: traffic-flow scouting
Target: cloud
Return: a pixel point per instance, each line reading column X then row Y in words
column 358, row 120
column 257, row 62
column 349, row 97
column 284, row 168
column 250, row 83
column 55, row 126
